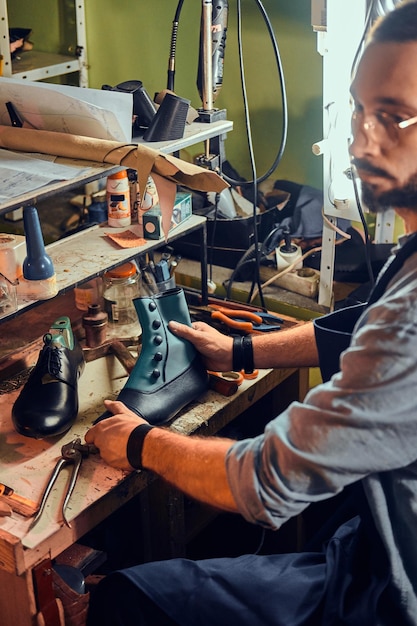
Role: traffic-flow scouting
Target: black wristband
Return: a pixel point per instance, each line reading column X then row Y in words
column 237, row 353
column 247, row 349
column 135, row 445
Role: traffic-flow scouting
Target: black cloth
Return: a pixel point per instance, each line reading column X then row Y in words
column 333, row 332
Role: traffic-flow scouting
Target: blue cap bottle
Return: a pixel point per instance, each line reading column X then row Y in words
column 38, row 264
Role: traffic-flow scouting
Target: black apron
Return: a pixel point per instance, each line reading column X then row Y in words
column 333, row 332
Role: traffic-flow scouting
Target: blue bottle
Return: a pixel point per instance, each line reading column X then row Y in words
column 38, row 264
column 38, row 268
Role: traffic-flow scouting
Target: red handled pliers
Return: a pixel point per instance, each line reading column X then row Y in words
column 246, row 321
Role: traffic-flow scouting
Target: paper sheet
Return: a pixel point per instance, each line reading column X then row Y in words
column 62, row 108
column 21, row 173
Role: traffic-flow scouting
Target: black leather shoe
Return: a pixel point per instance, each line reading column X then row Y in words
column 48, row 403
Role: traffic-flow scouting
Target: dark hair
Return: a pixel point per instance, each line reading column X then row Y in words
column 399, row 25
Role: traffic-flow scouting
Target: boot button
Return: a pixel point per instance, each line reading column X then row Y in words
column 158, row 356
column 158, row 340
column 156, row 324
column 156, row 373
column 152, row 306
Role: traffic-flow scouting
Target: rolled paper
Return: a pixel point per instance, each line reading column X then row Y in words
column 143, row 159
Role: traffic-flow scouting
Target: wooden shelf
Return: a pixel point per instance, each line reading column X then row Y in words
column 90, row 252
column 36, row 65
column 194, row 133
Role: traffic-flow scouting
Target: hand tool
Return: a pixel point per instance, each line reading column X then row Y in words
column 244, row 313
column 246, row 320
column 236, row 377
column 72, row 453
column 236, row 320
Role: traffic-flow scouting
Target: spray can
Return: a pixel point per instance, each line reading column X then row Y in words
column 118, row 199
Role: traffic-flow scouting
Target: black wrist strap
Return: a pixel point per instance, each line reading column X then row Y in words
column 237, row 353
column 247, row 348
column 135, row 445
column 243, row 354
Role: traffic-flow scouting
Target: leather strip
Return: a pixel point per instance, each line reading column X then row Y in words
column 135, row 445
column 247, row 349
column 238, row 358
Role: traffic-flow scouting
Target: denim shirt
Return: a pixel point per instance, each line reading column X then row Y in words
column 361, row 425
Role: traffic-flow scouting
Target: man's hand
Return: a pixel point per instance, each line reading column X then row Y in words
column 195, row 465
column 215, row 347
column 110, row 435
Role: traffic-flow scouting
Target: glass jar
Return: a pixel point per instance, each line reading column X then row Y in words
column 88, row 293
column 120, row 287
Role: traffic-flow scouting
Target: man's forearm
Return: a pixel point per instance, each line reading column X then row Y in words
column 194, row 465
column 295, row 347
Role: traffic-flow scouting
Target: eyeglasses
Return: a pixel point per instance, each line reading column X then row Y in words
column 384, row 127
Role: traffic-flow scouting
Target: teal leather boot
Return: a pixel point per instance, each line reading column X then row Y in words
column 169, row 372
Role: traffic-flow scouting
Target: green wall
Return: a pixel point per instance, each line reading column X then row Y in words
column 131, row 40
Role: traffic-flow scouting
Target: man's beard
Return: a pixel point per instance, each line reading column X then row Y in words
column 400, row 198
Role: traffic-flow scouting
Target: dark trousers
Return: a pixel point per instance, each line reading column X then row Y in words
column 346, row 582
column 118, row 602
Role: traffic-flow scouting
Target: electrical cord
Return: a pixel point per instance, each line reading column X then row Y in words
column 173, row 46
column 291, row 267
column 277, row 55
column 213, row 234
column 250, row 257
column 284, row 131
column 366, row 232
column 255, row 180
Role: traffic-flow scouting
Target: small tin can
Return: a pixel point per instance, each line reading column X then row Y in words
column 95, row 325
column 120, row 288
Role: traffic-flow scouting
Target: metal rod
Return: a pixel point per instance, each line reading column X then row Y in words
column 207, row 87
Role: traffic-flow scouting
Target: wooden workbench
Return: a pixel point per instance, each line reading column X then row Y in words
column 25, row 465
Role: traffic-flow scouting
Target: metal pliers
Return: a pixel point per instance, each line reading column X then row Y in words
column 72, row 453
column 246, row 321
